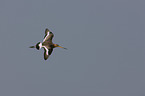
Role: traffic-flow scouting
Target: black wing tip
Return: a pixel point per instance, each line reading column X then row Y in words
column 46, row 29
column 45, row 59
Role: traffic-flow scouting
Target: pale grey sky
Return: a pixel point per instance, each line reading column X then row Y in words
column 105, row 41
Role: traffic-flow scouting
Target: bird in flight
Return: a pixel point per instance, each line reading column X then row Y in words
column 47, row 44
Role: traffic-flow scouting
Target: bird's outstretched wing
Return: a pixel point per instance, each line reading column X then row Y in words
column 47, row 52
column 48, row 35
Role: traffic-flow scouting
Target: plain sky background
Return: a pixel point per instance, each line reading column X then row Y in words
column 105, row 41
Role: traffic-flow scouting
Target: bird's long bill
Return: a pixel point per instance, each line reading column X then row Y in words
column 62, row 47
column 32, row 47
